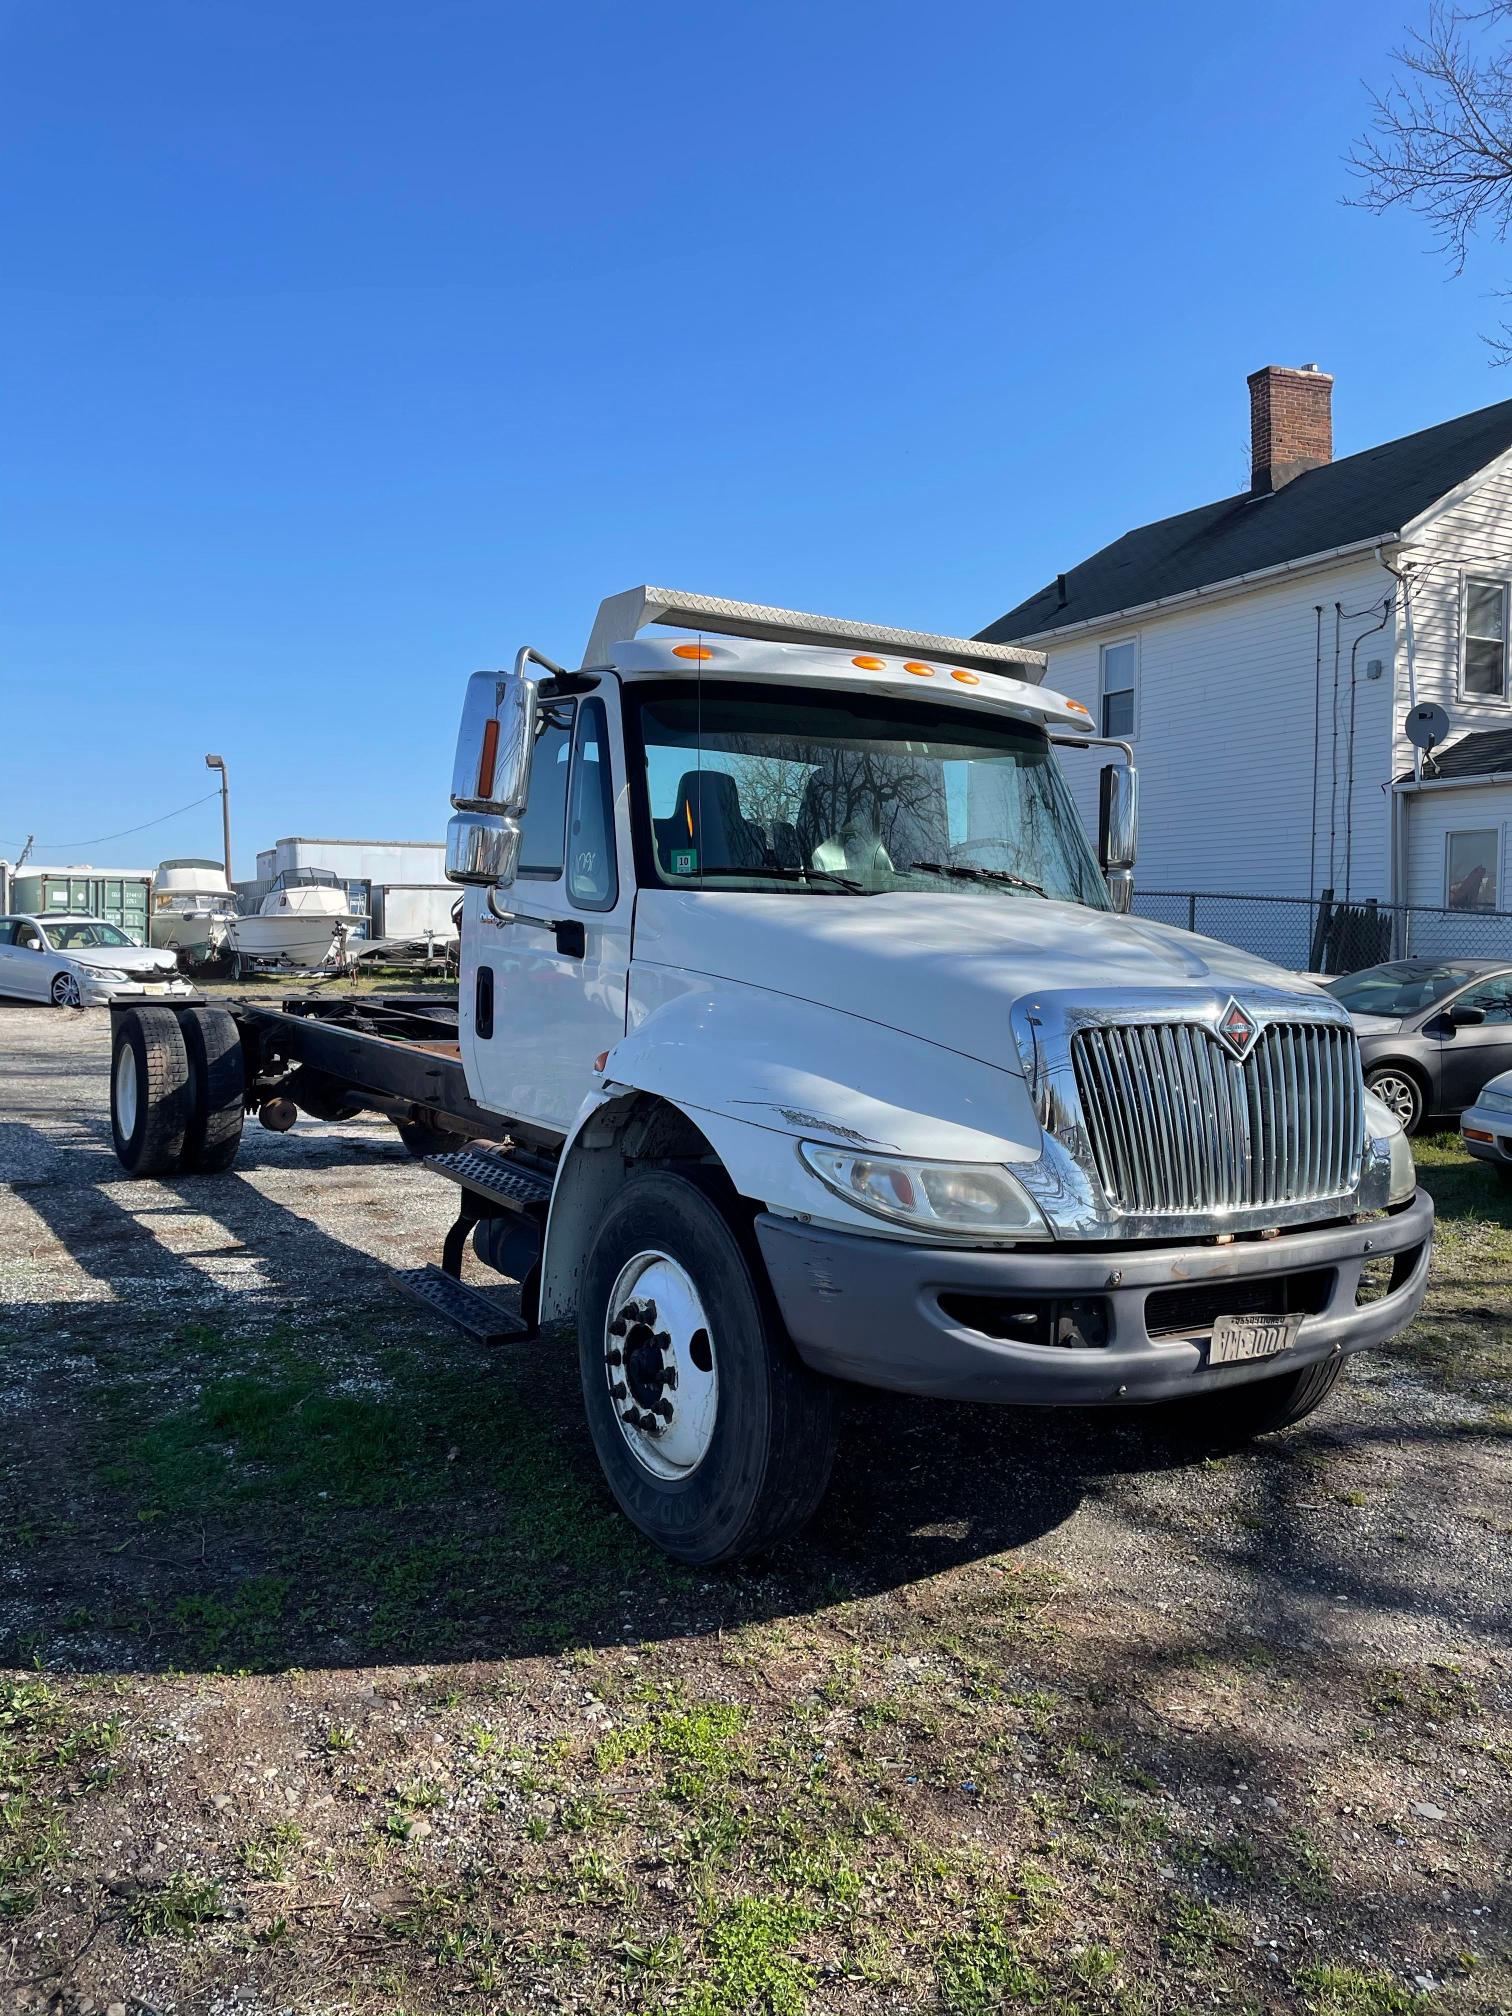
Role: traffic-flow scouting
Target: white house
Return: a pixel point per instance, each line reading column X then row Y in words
column 1262, row 654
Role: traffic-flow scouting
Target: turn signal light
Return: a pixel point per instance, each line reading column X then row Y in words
column 488, row 759
column 871, row 664
column 966, row 678
column 1076, row 707
column 691, row 651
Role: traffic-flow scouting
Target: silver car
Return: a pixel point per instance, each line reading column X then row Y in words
column 77, row 962
column 1486, row 1127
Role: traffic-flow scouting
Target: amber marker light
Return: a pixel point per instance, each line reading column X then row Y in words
column 488, row 759
column 1076, row 707
column 923, row 671
column 966, row 678
column 871, row 664
column 691, row 651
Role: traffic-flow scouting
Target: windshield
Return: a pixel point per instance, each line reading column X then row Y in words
column 857, row 794
column 1405, row 988
column 79, row 937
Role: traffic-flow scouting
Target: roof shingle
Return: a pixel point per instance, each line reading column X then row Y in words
column 1369, row 495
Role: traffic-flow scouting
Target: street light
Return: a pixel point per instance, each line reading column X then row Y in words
column 219, row 763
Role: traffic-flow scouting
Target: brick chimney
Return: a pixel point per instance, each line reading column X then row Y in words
column 1291, row 424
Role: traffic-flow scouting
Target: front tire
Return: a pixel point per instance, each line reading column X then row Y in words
column 65, row 991
column 1263, row 1406
column 150, row 1104
column 714, row 1438
column 1397, row 1087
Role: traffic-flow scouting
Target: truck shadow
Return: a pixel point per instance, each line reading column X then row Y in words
column 234, row 1444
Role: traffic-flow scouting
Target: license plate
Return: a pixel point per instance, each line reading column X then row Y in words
column 1239, row 1337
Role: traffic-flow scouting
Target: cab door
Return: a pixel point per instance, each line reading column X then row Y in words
column 1472, row 1052
column 547, row 995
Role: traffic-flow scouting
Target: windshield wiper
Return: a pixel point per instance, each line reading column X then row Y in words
column 976, row 874
column 786, row 874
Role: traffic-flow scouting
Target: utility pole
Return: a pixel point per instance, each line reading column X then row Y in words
column 219, row 763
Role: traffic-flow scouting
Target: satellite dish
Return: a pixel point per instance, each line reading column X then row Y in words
column 1427, row 724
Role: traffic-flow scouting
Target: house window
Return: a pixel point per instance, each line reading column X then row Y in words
column 1484, row 673
column 1119, row 678
column 1470, row 874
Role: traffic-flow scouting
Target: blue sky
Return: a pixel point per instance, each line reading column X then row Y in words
column 345, row 347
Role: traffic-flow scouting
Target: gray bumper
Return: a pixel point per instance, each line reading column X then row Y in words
column 885, row 1313
column 1480, row 1121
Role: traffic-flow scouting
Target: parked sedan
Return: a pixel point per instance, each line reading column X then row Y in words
column 1486, row 1127
column 1432, row 1031
column 75, row 962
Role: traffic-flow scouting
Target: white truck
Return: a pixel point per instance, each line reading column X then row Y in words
column 801, row 1037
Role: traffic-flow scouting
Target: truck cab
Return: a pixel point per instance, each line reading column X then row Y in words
column 786, row 937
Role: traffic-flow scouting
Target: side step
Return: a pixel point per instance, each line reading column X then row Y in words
column 497, row 1177
column 468, row 1308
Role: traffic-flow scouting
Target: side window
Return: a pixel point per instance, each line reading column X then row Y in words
column 1483, row 671
column 544, row 823
column 29, row 936
column 7, row 932
column 1470, row 869
column 592, row 872
column 1494, row 999
column 1119, row 667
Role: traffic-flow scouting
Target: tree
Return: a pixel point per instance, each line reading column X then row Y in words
column 1440, row 141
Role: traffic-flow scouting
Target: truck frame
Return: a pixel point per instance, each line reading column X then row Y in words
column 825, row 1051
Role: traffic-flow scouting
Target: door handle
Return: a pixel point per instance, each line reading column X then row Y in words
column 571, row 938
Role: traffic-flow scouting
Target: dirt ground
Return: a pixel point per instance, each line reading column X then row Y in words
column 330, row 1681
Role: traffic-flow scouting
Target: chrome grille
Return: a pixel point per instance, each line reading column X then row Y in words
column 1177, row 1125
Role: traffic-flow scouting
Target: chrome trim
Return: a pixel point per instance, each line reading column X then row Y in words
column 1167, row 1145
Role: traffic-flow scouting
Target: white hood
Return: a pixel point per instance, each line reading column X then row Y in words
column 944, row 967
column 139, row 960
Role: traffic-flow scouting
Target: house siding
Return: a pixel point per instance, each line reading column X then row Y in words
column 1224, row 736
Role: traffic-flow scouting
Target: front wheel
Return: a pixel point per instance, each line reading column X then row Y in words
column 65, row 991
column 715, row 1439
column 1261, row 1406
column 1396, row 1087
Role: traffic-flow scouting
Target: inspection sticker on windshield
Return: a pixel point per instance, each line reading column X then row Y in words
column 1239, row 1337
column 684, row 860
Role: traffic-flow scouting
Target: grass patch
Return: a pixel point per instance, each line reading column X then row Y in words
column 1345, row 1991
column 179, row 1908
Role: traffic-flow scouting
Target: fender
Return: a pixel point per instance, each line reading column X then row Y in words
column 751, row 1073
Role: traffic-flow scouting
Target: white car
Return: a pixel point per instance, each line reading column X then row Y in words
column 1486, row 1127
column 77, row 962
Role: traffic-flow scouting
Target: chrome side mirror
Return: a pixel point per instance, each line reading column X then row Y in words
column 491, row 777
column 1118, row 819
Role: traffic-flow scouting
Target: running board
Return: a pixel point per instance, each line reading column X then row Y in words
column 499, row 1178
column 470, row 1309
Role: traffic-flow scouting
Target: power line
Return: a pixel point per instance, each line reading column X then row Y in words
column 100, row 838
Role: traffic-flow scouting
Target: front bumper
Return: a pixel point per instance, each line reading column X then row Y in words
column 98, row 993
column 1488, row 1134
column 883, row 1312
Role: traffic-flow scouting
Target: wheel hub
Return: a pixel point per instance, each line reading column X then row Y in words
column 659, row 1363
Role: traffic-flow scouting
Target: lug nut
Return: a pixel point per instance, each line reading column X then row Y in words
column 614, row 1357
column 664, row 1408
column 617, row 1390
column 669, row 1377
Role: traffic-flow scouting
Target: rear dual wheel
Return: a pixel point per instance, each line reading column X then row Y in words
column 176, row 1091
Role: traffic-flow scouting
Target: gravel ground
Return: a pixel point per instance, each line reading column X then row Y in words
column 335, row 1683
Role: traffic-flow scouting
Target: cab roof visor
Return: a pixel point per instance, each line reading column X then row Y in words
column 622, row 617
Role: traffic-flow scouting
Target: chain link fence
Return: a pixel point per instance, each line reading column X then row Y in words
column 1322, row 936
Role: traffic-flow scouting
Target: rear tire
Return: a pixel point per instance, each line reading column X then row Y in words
column 750, row 1467
column 150, row 1104
column 217, row 1084
column 1262, row 1406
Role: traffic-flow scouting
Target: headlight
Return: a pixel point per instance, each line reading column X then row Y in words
column 950, row 1199
column 1494, row 1102
column 101, row 973
column 1381, row 1124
